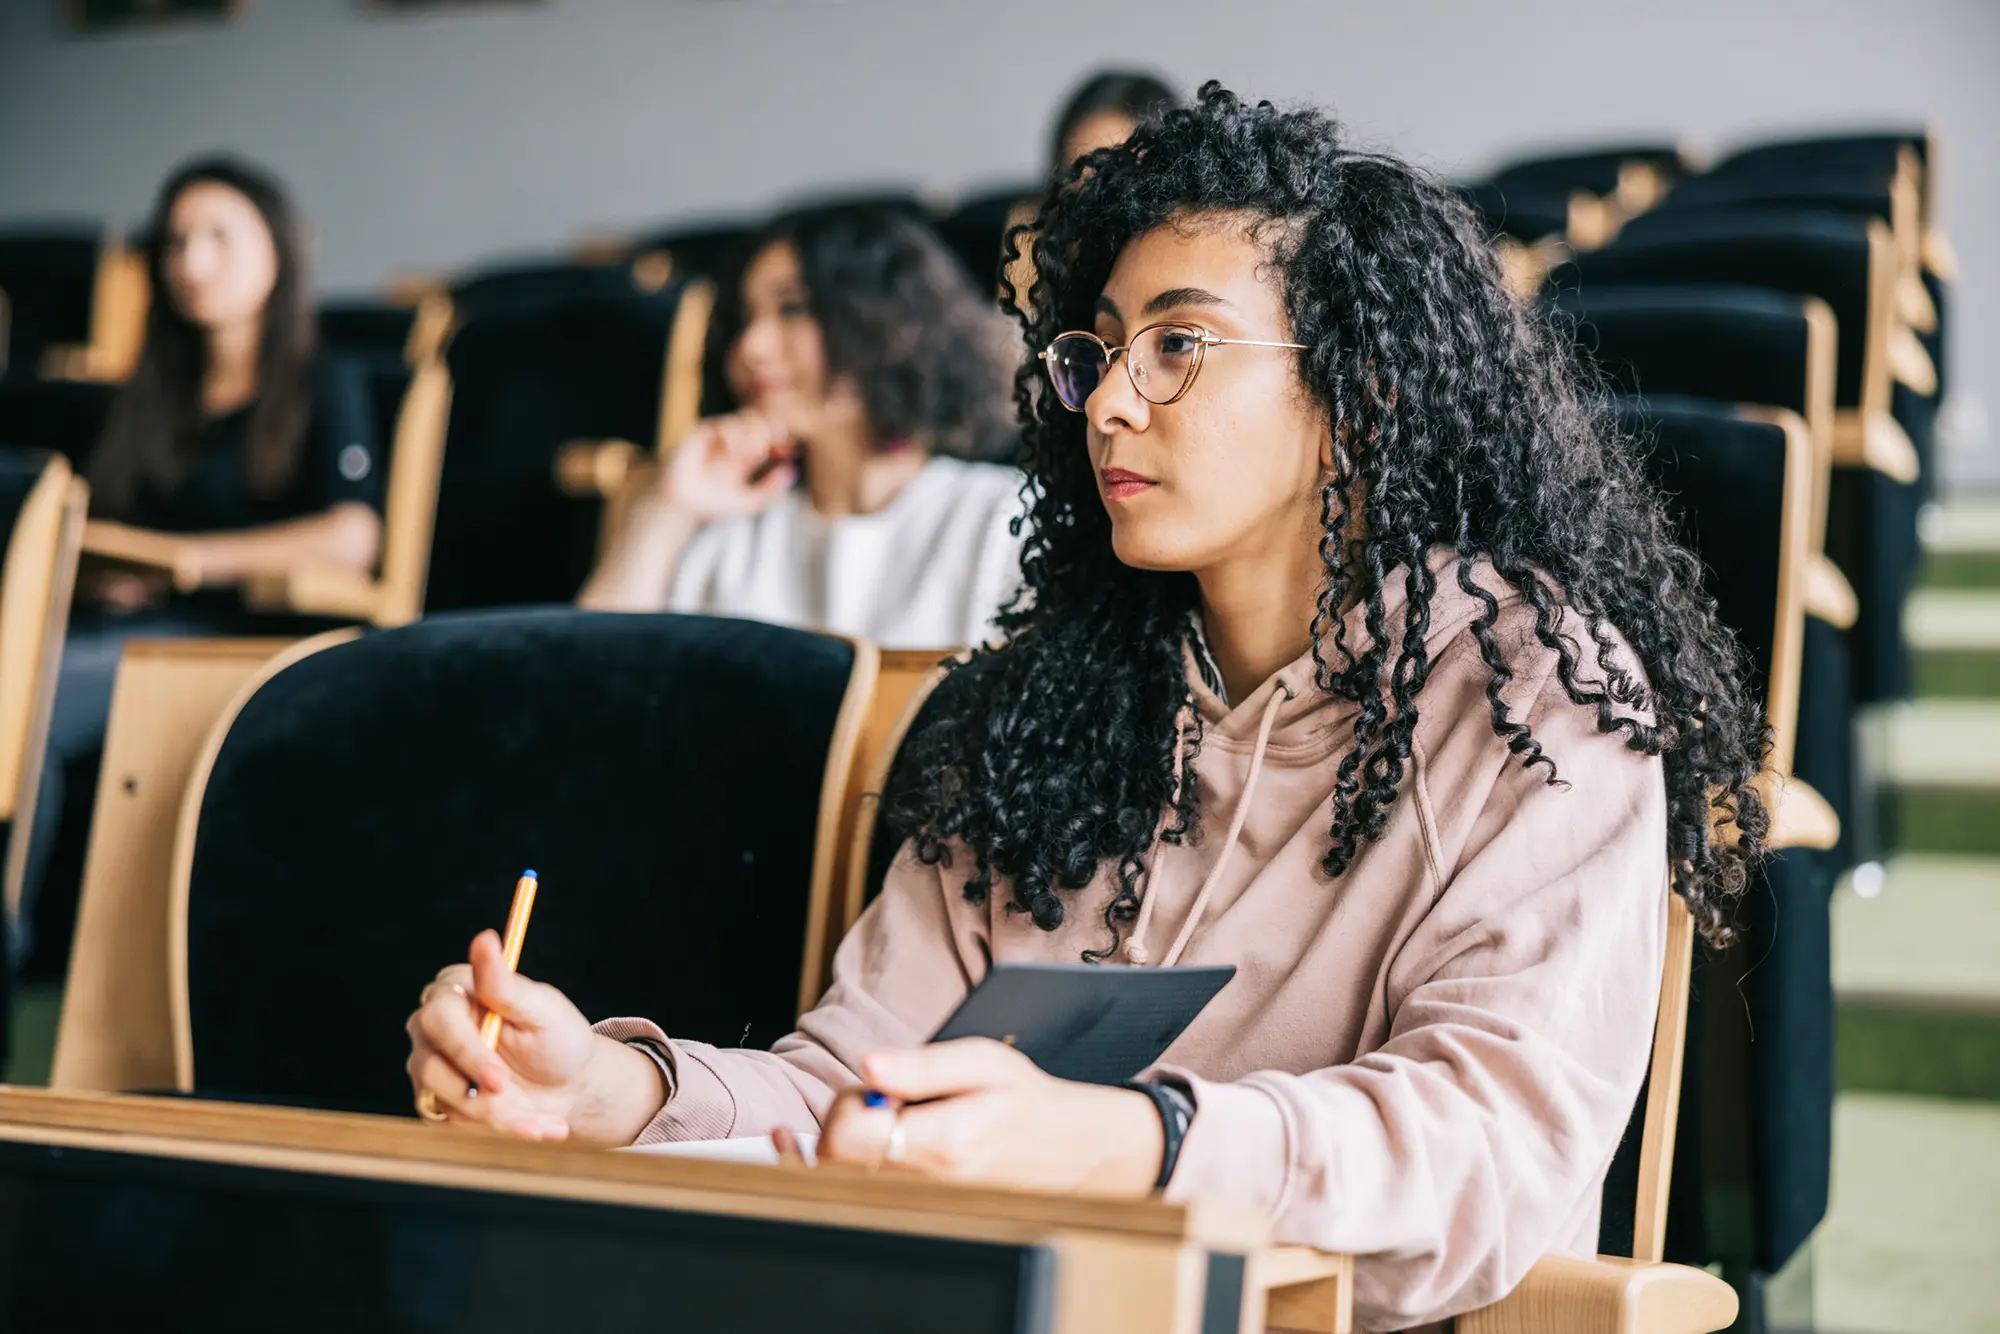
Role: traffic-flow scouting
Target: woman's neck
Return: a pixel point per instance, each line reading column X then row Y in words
column 1258, row 613
column 232, row 366
column 848, row 475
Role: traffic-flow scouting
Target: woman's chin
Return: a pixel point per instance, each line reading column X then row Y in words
column 1146, row 547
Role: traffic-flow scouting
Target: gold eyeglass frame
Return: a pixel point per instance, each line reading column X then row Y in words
column 1204, row 341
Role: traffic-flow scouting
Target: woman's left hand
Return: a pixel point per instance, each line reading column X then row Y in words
column 976, row 1110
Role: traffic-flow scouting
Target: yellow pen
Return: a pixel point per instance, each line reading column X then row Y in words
column 510, row 948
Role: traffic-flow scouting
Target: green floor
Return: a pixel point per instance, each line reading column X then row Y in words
column 34, row 1035
column 1911, row 1244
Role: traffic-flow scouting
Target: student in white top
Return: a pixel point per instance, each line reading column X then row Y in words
column 858, row 484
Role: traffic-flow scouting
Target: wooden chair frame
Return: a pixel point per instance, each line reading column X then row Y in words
column 36, row 581
column 905, row 681
column 114, row 1031
column 121, row 291
column 1866, row 435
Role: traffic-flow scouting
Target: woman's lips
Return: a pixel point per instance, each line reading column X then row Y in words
column 1120, row 484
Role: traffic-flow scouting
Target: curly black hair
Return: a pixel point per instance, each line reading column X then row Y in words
column 900, row 316
column 1052, row 755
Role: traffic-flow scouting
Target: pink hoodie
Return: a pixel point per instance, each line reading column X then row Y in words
column 1427, row 1063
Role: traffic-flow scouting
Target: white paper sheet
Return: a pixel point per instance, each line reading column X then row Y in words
column 755, row 1149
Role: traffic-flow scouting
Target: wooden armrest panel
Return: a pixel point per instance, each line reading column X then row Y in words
column 1305, row 1289
column 1914, row 304
column 145, row 549
column 1828, row 594
column 1800, row 817
column 316, row 590
column 595, row 467
column 1874, row 441
column 1910, row 363
column 1607, row 1295
column 1938, row 256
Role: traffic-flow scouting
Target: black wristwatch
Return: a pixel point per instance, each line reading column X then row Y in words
column 1176, row 1111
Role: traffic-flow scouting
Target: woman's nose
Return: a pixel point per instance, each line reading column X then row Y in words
column 758, row 344
column 1116, row 404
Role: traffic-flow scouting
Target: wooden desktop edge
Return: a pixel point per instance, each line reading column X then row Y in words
column 391, row 1149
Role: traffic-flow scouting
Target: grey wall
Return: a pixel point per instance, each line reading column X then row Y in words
column 418, row 144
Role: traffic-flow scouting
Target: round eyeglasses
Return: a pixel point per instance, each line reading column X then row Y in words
column 1161, row 360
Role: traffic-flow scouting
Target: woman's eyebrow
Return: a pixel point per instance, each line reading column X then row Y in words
column 1106, row 306
column 1184, row 296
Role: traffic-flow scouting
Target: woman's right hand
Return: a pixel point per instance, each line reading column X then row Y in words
column 534, row 1084
column 728, row 467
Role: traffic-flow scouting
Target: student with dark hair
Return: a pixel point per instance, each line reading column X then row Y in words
column 1357, row 654
column 233, row 433
column 849, row 480
column 1103, row 112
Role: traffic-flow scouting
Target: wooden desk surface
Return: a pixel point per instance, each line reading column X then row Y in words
column 1117, row 1264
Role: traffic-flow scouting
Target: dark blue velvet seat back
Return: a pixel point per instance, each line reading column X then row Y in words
column 1729, row 344
column 976, row 231
column 366, row 329
column 65, row 416
column 1724, row 479
column 1526, row 211
column 519, row 288
column 49, row 275
column 1595, row 169
column 1806, row 254
column 525, row 383
column 1757, row 1099
column 373, row 804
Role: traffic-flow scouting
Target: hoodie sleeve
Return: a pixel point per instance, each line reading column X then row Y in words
column 911, row 958
column 1521, row 1010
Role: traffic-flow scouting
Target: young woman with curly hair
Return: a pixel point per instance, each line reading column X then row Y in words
column 1355, row 654
column 847, row 480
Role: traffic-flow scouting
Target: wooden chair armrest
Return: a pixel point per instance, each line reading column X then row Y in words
column 1910, row 364
column 1938, row 256
column 1828, row 594
column 1305, row 1289
column 145, row 549
column 595, row 467
column 1874, row 441
column 316, row 590
column 1607, row 1295
column 1914, row 304
column 1800, row 816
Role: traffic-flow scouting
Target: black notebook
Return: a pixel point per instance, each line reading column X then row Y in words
column 1094, row 1023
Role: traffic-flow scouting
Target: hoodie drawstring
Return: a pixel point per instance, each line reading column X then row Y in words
column 1135, row 950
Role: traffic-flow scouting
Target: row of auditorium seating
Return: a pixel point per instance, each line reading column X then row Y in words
column 1809, row 278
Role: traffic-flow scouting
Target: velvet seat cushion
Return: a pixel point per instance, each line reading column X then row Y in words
column 373, row 804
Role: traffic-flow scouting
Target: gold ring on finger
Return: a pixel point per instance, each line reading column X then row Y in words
column 427, row 1106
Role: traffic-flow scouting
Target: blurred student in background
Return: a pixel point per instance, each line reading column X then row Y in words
column 854, row 482
column 233, row 434
column 1103, row 112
